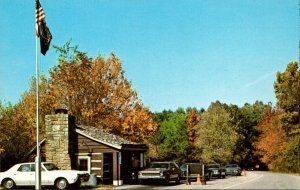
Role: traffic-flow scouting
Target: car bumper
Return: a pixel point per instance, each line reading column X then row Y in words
column 83, row 178
column 151, row 177
column 217, row 173
column 233, row 172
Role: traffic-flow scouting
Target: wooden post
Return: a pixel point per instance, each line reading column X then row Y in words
column 188, row 182
column 117, row 169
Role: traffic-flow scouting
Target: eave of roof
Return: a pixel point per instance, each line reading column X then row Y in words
column 101, row 136
column 34, row 148
column 98, row 140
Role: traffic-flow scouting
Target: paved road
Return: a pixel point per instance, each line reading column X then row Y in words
column 268, row 180
column 253, row 180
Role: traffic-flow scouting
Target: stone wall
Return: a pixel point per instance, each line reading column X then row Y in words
column 59, row 147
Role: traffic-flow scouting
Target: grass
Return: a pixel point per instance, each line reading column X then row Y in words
column 101, row 186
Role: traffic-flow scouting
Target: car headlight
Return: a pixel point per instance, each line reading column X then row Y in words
column 161, row 173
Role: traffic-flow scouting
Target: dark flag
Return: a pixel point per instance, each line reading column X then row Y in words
column 42, row 31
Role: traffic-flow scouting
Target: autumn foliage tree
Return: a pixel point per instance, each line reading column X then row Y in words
column 272, row 141
column 94, row 90
column 193, row 118
column 17, row 134
column 279, row 142
column 97, row 93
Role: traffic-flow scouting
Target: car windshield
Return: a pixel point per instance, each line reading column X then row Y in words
column 50, row 166
column 183, row 166
column 159, row 165
column 231, row 166
column 191, row 165
column 213, row 166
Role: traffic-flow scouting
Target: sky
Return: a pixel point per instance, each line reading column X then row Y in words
column 176, row 53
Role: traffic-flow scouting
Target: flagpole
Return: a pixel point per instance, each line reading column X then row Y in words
column 38, row 158
column 42, row 32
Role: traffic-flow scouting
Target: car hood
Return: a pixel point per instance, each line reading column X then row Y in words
column 213, row 168
column 154, row 170
column 231, row 168
column 69, row 171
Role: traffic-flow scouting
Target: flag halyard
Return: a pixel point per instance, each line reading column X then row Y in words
column 42, row 31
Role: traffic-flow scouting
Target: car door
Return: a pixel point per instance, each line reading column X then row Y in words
column 23, row 176
column 44, row 179
column 47, row 176
column 173, row 171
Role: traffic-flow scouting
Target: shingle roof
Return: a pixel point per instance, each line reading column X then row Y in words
column 100, row 135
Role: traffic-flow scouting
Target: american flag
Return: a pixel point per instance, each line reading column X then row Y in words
column 42, row 31
column 39, row 16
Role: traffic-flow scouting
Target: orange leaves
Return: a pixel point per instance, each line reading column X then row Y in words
column 138, row 124
column 272, row 141
column 192, row 121
column 94, row 90
column 97, row 93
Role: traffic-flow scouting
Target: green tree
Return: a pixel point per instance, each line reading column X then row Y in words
column 287, row 91
column 171, row 141
column 246, row 123
column 292, row 155
column 216, row 137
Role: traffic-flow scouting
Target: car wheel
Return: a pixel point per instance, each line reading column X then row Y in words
column 167, row 181
column 141, row 181
column 61, row 184
column 178, row 179
column 8, row 184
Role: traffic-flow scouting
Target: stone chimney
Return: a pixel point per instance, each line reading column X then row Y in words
column 60, row 139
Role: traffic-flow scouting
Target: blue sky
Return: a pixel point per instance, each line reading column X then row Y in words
column 176, row 53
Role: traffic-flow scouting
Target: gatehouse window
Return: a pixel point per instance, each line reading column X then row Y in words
column 84, row 163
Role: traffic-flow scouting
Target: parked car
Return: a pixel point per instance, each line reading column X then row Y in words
column 23, row 174
column 233, row 169
column 160, row 171
column 195, row 169
column 217, row 170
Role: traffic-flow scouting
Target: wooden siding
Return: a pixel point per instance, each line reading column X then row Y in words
column 86, row 145
column 109, row 163
column 95, row 150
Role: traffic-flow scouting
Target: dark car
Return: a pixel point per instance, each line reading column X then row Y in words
column 160, row 171
column 233, row 169
column 217, row 170
column 194, row 170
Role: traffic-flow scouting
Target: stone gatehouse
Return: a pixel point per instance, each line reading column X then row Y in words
column 111, row 158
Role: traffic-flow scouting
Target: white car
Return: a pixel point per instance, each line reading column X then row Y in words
column 24, row 175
